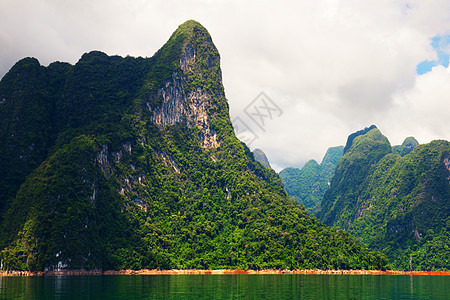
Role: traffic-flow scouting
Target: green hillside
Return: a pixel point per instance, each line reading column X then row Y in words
column 118, row 163
column 308, row 185
column 399, row 205
column 406, row 147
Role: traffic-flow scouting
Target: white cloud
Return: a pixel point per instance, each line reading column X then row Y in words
column 423, row 110
column 333, row 66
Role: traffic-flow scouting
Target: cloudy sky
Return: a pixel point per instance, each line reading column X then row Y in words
column 326, row 68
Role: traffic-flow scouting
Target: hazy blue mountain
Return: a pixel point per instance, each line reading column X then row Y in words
column 261, row 157
column 308, row 185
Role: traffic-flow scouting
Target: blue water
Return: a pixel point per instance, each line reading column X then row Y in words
column 227, row 287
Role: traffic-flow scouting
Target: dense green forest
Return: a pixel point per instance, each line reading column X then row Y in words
column 406, row 147
column 308, row 184
column 118, row 163
column 396, row 200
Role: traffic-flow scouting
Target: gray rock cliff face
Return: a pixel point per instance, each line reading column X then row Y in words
column 189, row 107
column 187, row 58
column 172, row 108
column 447, row 166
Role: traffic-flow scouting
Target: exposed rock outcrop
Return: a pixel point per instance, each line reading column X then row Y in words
column 447, row 165
column 168, row 161
column 102, row 159
column 190, row 109
column 187, row 58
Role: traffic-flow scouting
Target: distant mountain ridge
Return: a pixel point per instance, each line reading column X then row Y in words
column 308, row 185
column 406, row 147
column 261, row 157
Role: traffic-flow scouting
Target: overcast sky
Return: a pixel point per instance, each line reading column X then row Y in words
column 327, row 68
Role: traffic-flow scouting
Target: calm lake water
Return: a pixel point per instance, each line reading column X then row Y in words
column 227, row 287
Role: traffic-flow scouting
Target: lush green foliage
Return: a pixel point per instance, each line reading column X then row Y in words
column 27, row 101
column 399, row 205
column 406, row 147
column 352, row 136
column 112, row 190
column 308, row 185
column 340, row 201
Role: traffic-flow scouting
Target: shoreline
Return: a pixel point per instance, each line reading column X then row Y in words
column 216, row 272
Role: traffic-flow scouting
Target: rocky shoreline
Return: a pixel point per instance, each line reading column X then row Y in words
column 215, row 272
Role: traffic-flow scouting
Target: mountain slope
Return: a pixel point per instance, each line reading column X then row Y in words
column 361, row 154
column 308, row 185
column 138, row 167
column 27, row 102
column 261, row 157
column 399, row 205
column 406, row 147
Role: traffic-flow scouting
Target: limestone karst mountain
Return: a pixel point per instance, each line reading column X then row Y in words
column 118, row 163
column 398, row 203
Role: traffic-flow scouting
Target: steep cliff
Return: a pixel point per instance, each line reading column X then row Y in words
column 363, row 151
column 399, row 205
column 121, row 163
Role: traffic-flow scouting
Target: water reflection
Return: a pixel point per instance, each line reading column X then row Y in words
column 411, row 284
column 226, row 286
